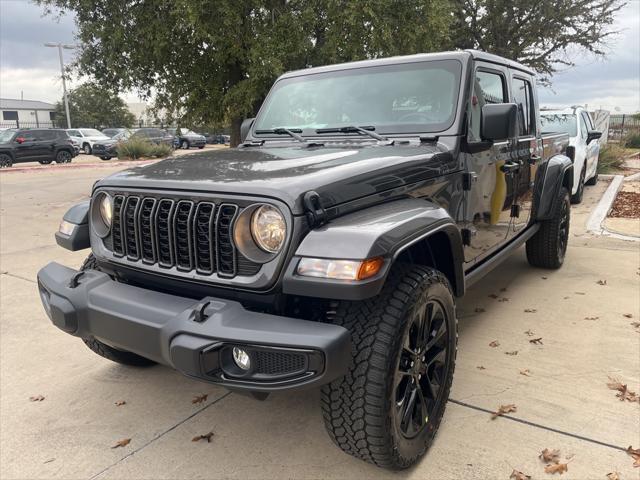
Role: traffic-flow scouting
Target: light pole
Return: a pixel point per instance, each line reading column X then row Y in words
column 60, row 46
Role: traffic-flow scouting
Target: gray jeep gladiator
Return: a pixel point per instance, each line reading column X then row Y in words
column 330, row 247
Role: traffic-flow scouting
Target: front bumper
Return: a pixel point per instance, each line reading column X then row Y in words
column 195, row 337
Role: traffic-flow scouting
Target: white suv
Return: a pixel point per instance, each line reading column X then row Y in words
column 86, row 137
column 583, row 137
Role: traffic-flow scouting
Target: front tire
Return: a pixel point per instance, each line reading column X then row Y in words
column 185, row 145
column 387, row 408
column 86, row 148
column 104, row 350
column 547, row 248
column 6, row 160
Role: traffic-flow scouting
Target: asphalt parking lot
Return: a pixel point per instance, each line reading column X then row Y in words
column 562, row 401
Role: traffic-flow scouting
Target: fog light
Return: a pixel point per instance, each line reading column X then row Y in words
column 241, row 358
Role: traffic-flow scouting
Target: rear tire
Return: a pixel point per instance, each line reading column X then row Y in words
column 104, row 350
column 547, row 248
column 105, row 158
column 403, row 351
column 63, row 156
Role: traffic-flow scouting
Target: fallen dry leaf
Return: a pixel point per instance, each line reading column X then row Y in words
column 548, row 455
column 494, row 344
column 206, row 436
column 529, row 333
column 49, row 461
column 479, row 310
column 635, row 454
column 544, row 278
column 119, row 403
column 556, row 468
column 536, row 341
column 623, row 392
column 36, row 398
column 122, row 443
column 518, row 475
column 613, row 476
column 628, row 315
column 601, row 282
column 635, row 324
column 526, row 372
column 515, row 352
column 493, row 295
column 504, row 299
column 504, row 409
column 200, row 398
column 530, row 310
column 480, row 367
column 579, row 293
column 591, row 318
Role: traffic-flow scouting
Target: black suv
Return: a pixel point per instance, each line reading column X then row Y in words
column 43, row 145
column 330, row 248
column 188, row 138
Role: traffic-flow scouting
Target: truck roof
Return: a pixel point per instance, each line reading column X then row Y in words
column 461, row 55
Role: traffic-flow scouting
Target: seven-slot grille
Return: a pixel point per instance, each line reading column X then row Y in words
column 178, row 233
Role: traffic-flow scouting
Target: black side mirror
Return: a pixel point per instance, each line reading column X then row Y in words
column 593, row 135
column 245, row 127
column 499, row 121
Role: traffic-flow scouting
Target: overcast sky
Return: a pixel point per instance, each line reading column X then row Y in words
column 27, row 66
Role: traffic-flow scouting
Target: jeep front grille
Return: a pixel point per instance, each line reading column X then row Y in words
column 185, row 234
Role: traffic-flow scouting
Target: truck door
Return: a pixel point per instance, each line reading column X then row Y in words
column 489, row 194
column 528, row 152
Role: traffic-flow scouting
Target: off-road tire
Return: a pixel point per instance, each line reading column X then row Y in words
column 6, row 160
column 357, row 408
column 548, row 246
column 110, row 353
column 577, row 198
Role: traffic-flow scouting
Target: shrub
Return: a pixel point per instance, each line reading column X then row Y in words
column 161, row 150
column 632, row 140
column 611, row 158
column 133, row 149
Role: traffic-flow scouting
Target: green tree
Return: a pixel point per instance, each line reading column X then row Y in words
column 93, row 106
column 214, row 61
column 544, row 34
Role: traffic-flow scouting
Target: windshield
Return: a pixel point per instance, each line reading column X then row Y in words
column 6, row 135
column 90, row 132
column 403, row 98
column 122, row 135
column 559, row 123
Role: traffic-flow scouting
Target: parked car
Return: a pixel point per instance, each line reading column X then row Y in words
column 218, row 139
column 86, row 137
column 43, row 145
column 330, row 248
column 187, row 138
column 583, row 138
column 107, row 149
column 112, row 132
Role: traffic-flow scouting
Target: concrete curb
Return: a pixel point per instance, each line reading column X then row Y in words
column 599, row 214
column 632, row 178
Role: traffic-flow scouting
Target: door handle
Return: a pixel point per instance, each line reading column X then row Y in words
column 510, row 167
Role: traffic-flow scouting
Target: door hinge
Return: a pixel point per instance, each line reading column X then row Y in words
column 314, row 211
column 468, row 179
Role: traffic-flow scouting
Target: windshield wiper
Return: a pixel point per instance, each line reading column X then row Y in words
column 285, row 131
column 353, row 129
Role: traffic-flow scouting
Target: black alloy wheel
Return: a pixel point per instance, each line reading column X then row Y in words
column 5, row 160
column 63, row 156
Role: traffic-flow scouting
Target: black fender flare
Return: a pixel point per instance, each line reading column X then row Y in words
column 78, row 215
column 559, row 173
column 384, row 230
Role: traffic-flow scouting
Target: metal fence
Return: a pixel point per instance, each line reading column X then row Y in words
column 19, row 124
column 621, row 125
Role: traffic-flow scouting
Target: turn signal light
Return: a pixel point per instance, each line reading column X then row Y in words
column 339, row 269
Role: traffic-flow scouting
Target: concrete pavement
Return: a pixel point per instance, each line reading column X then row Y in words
column 563, row 404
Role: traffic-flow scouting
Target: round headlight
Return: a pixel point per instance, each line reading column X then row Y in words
column 268, row 228
column 106, row 209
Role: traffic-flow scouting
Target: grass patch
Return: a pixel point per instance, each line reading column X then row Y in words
column 632, row 140
column 611, row 158
column 135, row 149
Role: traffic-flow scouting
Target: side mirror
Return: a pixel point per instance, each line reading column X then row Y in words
column 593, row 135
column 499, row 121
column 20, row 140
column 245, row 127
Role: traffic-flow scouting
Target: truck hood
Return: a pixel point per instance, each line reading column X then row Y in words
column 337, row 174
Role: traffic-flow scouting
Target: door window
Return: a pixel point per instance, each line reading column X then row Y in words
column 28, row 136
column 523, row 98
column 74, row 133
column 584, row 130
column 47, row 135
column 488, row 87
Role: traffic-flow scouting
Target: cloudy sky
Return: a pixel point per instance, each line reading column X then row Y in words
column 27, row 66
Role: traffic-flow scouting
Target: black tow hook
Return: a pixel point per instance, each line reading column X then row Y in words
column 200, row 315
column 74, row 282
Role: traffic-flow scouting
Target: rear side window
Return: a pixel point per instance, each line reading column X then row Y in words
column 523, row 98
column 47, row 135
column 488, row 87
